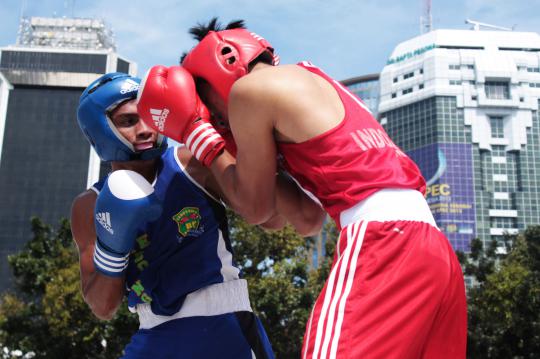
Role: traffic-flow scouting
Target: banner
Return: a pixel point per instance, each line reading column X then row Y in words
column 448, row 170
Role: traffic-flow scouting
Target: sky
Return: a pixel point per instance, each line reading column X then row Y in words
column 346, row 38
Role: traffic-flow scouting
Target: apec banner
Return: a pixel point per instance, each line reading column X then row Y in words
column 448, row 170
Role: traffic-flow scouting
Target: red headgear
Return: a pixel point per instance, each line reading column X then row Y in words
column 223, row 57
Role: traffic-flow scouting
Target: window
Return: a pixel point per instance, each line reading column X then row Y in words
column 43, row 110
column 453, row 67
column 122, row 66
column 474, row 98
column 421, row 86
column 533, row 69
column 421, row 71
column 53, row 61
column 394, row 95
column 470, row 67
column 455, row 82
column 498, row 150
column 395, row 79
column 503, row 222
column 497, row 90
column 406, row 91
column 497, row 126
column 408, row 76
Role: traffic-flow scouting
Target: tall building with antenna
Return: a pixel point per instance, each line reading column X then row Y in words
column 464, row 104
column 426, row 19
column 44, row 159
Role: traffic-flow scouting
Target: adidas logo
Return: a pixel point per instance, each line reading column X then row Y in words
column 104, row 218
column 129, row 86
column 159, row 117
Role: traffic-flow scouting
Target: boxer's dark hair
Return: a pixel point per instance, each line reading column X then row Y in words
column 200, row 30
column 182, row 57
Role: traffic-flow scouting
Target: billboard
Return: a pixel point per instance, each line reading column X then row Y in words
column 448, row 170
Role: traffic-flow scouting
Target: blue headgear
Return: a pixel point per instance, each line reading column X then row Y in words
column 101, row 97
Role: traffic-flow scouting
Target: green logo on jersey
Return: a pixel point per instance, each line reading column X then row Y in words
column 188, row 219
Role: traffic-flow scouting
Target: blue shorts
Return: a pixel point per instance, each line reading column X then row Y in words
column 236, row 335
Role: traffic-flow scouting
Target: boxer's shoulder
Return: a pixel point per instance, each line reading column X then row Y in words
column 84, row 199
column 191, row 166
column 82, row 218
column 198, row 173
column 268, row 85
column 83, row 204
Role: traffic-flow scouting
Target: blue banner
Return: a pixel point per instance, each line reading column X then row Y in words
column 448, row 170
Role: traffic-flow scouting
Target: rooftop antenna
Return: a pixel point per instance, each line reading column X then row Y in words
column 23, row 9
column 69, row 5
column 477, row 26
column 426, row 24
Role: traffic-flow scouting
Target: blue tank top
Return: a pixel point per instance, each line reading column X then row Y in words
column 186, row 249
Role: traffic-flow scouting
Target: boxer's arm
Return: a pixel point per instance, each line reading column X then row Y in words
column 249, row 180
column 292, row 206
column 103, row 294
column 204, row 177
column 300, row 210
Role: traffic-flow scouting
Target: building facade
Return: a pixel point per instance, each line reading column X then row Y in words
column 367, row 88
column 464, row 105
column 44, row 159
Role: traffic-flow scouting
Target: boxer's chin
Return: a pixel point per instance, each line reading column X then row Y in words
column 143, row 146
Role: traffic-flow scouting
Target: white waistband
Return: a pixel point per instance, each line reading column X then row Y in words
column 390, row 204
column 215, row 299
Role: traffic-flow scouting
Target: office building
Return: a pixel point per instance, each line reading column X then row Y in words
column 464, row 105
column 367, row 88
column 44, row 159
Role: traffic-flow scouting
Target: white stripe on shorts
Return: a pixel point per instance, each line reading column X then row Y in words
column 350, row 279
column 331, row 297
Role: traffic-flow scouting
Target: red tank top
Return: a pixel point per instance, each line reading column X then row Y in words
column 351, row 161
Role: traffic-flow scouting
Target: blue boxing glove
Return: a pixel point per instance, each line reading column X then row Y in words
column 125, row 202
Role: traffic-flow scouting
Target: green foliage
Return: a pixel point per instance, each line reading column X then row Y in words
column 283, row 287
column 504, row 305
column 48, row 315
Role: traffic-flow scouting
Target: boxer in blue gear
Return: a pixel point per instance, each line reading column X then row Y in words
column 155, row 230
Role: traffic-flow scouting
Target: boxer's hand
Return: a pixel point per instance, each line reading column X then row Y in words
column 126, row 201
column 168, row 102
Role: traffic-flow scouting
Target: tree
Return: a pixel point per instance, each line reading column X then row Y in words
column 282, row 286
column 504, row 305
column 48, row 315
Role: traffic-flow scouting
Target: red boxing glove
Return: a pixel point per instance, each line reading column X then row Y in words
column 168, row 102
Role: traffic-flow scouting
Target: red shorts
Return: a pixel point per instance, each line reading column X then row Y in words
column 395, row 291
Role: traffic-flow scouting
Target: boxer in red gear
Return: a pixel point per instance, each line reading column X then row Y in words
column 168, row 102
column 396, row 288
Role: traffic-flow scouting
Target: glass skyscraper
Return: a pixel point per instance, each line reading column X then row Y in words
column 367, row 88
column 464, row 105
column 44, row 159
